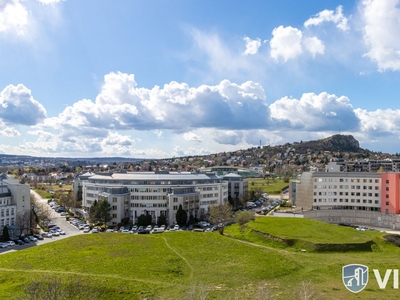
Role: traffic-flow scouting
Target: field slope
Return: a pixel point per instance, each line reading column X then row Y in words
column 189, row 265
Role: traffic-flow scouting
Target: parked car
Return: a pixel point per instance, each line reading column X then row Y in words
column 56, row 233
column 176, row 227
column 38, row 236
column 3, row 245
column 110, row 230
column 26, row 240
column 20, row 242
column 32, row 238
column 134, row 228
column 86, row 230
column 62, row 232
column 95, row 230
column 11, row 243
column 149, row 227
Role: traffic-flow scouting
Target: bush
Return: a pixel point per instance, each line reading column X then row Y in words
column 243, row 217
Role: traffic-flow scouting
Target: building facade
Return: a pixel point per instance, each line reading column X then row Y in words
column 365, row 191
column 132, row 194
column 14, row 206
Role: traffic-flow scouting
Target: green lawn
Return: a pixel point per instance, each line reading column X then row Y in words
column 268, row 185
column 185, row 265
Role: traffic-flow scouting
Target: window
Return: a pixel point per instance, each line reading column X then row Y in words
column 387, row 188
column 387, row 196
column 114, row 216
column 114, row 207
column 114, row 199
column 387, row 181
column 387, row 203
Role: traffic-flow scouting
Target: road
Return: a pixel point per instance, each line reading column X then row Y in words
column 69, row 229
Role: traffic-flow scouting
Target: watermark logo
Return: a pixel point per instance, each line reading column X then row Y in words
column 355, row 277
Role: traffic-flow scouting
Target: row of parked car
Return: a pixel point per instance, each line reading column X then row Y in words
column 22, row 241
column 57, row 208
column 268, row 208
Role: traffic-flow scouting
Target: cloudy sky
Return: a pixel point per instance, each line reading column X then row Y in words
column 171, row 78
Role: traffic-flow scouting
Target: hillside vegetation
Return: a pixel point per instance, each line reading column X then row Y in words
column 201, row 265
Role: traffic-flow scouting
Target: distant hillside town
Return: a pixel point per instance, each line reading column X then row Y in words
column 332, row 176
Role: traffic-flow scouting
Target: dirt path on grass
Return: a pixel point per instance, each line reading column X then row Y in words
column 262, row 246
column 184, row 259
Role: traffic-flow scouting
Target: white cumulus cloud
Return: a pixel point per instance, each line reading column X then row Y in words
column 336, row 17
column 17, row 106
column 252, row 46
column 381, row 32
column 13, row 17
column 315, row 113
column 289, row 43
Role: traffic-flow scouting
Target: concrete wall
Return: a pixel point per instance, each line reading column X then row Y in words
column 358, row 217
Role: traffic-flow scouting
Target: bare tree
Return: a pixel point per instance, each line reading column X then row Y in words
column 221, row 214
column 23, row 221
column 55, row 289
column 306, row 291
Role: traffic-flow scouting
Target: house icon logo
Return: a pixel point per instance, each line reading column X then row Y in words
column 355, row 277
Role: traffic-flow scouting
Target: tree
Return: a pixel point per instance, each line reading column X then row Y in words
column 6, row 234
column 221, row 214
column 93, row 213
column 243, row 217
column 103, row 211
column 181, row 216
column 144, row 220
column 162, row 220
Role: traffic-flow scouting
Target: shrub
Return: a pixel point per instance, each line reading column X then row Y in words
column 244, row 217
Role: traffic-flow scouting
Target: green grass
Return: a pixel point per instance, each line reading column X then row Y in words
column 268, row 185
column 171, row 265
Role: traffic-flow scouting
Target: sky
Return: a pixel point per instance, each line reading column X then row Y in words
column 158, row 79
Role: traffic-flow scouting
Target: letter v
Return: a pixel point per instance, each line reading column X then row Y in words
column 382, row 284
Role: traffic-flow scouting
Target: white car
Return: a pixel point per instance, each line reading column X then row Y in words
column 62, row 232
column 86, row 230
column 56, row 233
column 3, row 245
column 149, row 228
column 11, row 243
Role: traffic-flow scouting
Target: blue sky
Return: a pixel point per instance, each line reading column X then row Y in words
column 172, row 78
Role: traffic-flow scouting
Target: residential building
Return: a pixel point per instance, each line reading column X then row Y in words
column 14, row 206
column 236, row 185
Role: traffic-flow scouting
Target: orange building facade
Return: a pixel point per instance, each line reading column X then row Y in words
column 390, row 193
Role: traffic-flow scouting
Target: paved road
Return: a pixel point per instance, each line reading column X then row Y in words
column 69, row 229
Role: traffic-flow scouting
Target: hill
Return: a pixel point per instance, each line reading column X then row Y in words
column 190, row 265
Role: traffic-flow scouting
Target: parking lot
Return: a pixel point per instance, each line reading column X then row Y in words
column 57, row 219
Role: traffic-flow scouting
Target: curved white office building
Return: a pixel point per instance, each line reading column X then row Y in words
column 134, row 193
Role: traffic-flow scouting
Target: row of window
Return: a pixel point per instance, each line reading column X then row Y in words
column 357, row 194
column 365, row 180
column 143, row 197
column 366, row 201
column 148, row 204
column 344, row 187
column 155, row 182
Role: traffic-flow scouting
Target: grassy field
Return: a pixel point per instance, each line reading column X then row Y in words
column 189, row 265
column 268, row 185
column 43, row 190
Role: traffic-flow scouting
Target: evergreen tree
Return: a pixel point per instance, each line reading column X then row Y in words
column 181, row 216
column 103, row 211
column 93, row 214
column 162, row 220
column 6, row 234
